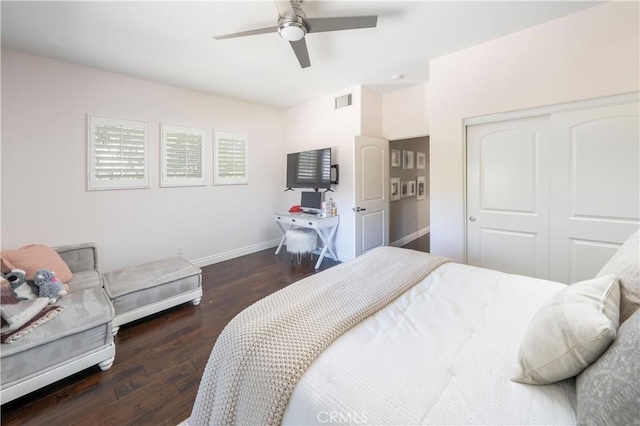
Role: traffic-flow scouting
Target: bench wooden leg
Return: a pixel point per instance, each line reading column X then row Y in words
column 106, row 364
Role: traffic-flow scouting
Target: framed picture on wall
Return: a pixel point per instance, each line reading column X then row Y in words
column 407, row 159
column 421, row 187
column 412, row 188
column 421, row 160
column 395, row 188
column 395, row 158
column 404, row 189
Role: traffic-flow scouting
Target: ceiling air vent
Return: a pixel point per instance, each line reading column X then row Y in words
column 343, row 101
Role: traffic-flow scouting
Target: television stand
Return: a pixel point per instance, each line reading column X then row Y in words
column 325, row 227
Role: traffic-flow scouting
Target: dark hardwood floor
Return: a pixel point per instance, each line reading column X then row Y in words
column 420, row 244
column 160, row 359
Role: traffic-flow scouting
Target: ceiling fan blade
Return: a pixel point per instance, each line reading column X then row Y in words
column 248, row 33
column 319, row 25
column 285, row 9
column 300, row 49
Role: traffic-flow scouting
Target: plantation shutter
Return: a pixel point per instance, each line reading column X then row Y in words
column 182, row 156
column 118, row 153
column 231, row 158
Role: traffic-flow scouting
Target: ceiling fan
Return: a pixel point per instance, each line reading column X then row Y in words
column 293, row 25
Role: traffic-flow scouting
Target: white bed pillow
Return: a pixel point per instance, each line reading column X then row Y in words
column 570, row 331
column 625, row 265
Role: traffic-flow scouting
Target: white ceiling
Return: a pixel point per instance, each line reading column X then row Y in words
column 171, row 42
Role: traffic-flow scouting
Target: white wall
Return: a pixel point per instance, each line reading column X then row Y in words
column 406, row 112
column 589, row 54
column 371, row 120
column 44, row 198
column 315, row 125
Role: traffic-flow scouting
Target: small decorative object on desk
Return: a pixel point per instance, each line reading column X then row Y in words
column 326, row 209
column 334, row 211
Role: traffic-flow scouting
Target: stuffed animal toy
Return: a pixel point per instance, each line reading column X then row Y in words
column 19, row 285
column 50, row 286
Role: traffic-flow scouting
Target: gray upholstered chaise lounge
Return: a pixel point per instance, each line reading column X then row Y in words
column 78, row 338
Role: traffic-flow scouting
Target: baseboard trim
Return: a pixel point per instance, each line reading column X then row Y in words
column 413, row 236
column 232, row 254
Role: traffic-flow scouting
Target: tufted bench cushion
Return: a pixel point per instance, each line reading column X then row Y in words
column 84, row 325
column 146, row 289
column 78, row 338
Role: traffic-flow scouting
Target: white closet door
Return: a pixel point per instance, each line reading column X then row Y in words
column 508, row 196
column 595, row 187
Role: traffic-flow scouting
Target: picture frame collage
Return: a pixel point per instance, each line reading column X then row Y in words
column 408, row 160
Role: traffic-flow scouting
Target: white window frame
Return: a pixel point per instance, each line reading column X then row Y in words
column 94, row 183
column 230, row 180
column 167, row 181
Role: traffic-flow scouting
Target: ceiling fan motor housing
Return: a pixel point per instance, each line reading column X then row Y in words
column 292, row 29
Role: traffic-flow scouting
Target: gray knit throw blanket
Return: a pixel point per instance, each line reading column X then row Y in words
column 262, row 353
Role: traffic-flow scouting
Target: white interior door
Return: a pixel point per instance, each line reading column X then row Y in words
column 595, row 187
column 508, row 196
column 371, row 171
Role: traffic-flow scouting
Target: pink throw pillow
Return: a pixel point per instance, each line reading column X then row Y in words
column 34, row 257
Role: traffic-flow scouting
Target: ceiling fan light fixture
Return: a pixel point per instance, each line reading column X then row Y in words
column 293, row 25
column 292, row 31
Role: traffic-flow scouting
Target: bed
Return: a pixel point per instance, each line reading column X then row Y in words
column 442, row 350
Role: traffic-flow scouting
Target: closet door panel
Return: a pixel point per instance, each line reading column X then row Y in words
column 521, row 258
column 604, row 168
column 588, row 257
column 507, row 196
column 595, row 187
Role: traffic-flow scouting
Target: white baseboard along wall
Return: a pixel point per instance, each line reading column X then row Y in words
column 413, row 236
column 232, row 254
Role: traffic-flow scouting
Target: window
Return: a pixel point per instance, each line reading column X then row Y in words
column 118, row 153
column 231, row 151
column 182, row 156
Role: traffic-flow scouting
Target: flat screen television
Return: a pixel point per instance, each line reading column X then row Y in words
column 309, row 169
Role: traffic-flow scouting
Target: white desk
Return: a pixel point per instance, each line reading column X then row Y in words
column 321, row 225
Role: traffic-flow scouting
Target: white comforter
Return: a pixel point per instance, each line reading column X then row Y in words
column 442, row 353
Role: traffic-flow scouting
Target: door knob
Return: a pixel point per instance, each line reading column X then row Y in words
column 472, row 218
